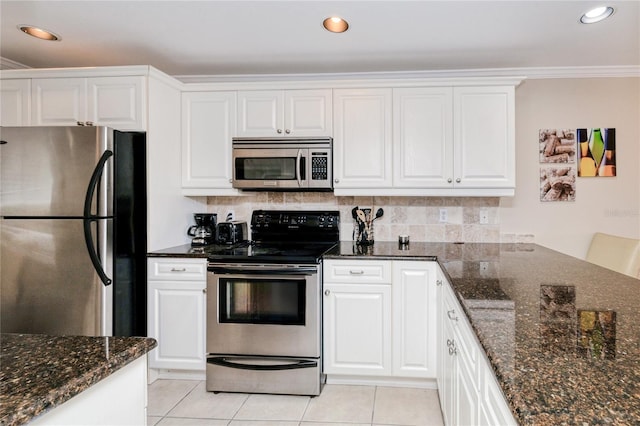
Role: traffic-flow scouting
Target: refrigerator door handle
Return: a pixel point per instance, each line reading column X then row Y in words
column 88, row 217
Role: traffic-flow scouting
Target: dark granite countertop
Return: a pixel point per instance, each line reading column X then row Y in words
column 185, row 250
column 562, row 335
column 40, row 372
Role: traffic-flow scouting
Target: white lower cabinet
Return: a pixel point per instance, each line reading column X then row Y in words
column 379, row 318
column 469, row 392
column 415, row 318
column 357, row 331
column 176, row 312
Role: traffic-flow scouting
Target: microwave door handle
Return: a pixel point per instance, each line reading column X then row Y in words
column 298, row 171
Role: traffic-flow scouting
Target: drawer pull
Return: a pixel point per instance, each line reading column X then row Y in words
column 439, row 282
column 453, row 351
column 452, row 315
column 178, row 269
column 360, row 272
column 450, row 343
column 327, row 292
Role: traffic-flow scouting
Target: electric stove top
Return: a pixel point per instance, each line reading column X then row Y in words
column 284, row 236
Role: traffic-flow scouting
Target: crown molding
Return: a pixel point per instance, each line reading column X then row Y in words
column 8, row 64
column 528, row 73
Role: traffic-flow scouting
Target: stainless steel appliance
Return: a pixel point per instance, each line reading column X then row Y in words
column 264, row 305
column 283, row 164
column 231, row 232
column 73, row 231
column 204, row 231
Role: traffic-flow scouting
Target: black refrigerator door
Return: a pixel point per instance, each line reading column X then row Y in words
column 130, row 235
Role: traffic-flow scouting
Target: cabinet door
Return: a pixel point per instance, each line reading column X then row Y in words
column 208, row 124
column 176, row 319
column 357, row 329
column 414, row 319
column 362, row 138
column 423, row 137
column 467, row 398
column 308, row 113
column 260, row 113
column 58, row 101
column 15, row 102
column 447, row 374
column 117, row 102
column 484, row 137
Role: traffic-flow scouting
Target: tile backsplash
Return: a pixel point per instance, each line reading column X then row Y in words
column 418, row 217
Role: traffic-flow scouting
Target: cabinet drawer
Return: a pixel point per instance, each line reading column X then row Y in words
column 177, row 269
column 357, row 271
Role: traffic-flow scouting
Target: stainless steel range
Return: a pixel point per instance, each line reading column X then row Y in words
column 264, row 305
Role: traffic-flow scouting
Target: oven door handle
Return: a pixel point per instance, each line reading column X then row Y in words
column 278, row 364
column 260, row 270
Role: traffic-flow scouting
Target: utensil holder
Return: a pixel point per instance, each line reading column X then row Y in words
column 363, row 232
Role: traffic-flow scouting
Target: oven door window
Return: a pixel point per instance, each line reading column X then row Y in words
column 269, row 168
column 262, row 301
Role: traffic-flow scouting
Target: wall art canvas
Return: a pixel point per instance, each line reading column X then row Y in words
column 558, row 183
column 597, row 152
column 557, row 145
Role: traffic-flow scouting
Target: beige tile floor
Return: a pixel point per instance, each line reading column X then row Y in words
column 186, row 402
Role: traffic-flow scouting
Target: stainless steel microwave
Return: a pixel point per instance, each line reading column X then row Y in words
column 270, row 164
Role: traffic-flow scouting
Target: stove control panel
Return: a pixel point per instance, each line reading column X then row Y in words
column 263, row 219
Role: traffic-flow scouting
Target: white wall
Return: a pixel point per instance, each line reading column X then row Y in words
column 610, row 205
column 169, row 213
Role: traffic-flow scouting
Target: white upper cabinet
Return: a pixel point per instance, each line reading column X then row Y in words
column 15, row 102
column 59, row 101
column 208, row 124
column 362, row 138
column 423, row 137
column 290, row 113
column 484, row 137
column 445, row 141
column 117, row 102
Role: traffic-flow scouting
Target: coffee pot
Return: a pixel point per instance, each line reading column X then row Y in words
column 204, row 231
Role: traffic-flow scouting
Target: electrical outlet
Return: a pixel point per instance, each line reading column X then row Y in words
column 484, row 216
column 484, row 266
column 443, row 216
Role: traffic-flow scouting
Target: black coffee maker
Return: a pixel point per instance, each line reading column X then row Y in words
column 204, row 231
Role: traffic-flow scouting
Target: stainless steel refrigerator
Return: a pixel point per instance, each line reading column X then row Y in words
column 73, row 231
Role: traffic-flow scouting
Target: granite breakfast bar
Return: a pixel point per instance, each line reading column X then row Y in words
column 40, row 375
column 561, row 335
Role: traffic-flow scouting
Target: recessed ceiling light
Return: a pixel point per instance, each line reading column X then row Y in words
column 596, row 15
column 335, row 24
column 39, row 32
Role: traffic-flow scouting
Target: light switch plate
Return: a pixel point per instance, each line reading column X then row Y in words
column 484, row 216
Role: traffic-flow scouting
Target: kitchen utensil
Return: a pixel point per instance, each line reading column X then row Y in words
column 379, row 213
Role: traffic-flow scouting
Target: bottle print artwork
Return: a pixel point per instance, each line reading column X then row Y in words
column 608, row 163
column 587, row 164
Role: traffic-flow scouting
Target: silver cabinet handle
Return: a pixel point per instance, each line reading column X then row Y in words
column 360, row 272
column 439, row 282
column 458, row 180
column 287, row 131
column 327, row 292
column 450, row 343
column 279, row 131
column 336, row 180
column 449, row 180
column 452, row 315
column 204, row 290
column 178, row 269
column 453, row 351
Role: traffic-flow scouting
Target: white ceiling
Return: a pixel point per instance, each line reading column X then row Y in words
column 286, row 37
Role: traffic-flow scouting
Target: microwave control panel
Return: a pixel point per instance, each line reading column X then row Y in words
column 319, row 166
